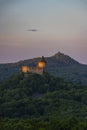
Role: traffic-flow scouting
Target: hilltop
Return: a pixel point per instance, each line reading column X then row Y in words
column 65, row 59
column 59, row 65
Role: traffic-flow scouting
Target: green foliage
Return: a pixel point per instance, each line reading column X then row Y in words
column 42, row 102
column 42, row 124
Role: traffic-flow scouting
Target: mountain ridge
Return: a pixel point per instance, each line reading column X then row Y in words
column 59, row 64
column 65, row 58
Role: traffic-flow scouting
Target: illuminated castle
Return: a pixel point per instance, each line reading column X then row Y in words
column 39, row 69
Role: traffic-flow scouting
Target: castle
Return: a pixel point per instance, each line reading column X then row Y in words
column 39, row 69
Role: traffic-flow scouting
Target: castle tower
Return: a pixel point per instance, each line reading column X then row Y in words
column 41, row 64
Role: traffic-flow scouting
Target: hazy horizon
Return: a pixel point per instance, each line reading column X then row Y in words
column 32, row 28
column 39, row 56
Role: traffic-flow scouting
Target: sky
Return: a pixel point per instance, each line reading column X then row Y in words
column 32, row 28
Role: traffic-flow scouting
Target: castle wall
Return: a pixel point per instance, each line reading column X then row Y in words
column 37, row 70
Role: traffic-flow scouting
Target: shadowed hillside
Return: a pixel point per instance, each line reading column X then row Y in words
column 58, row 65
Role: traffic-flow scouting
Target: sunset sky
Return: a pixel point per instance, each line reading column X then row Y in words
column 32, row 28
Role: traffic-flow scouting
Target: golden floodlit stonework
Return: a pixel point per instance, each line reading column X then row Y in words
column 39, row 69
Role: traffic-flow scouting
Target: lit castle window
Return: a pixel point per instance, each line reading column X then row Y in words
column 42, row 62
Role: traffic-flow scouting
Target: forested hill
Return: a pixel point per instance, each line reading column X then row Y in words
column 22, row 96
column 59, row 65
column 42, row 102
column 44, row 95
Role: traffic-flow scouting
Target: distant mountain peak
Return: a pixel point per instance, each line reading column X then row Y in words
column 59, row 54
column 65, row 58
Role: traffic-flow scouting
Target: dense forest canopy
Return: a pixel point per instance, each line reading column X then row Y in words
column 42, row 102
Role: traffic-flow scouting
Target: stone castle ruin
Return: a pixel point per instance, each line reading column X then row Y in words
column 39, row 69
